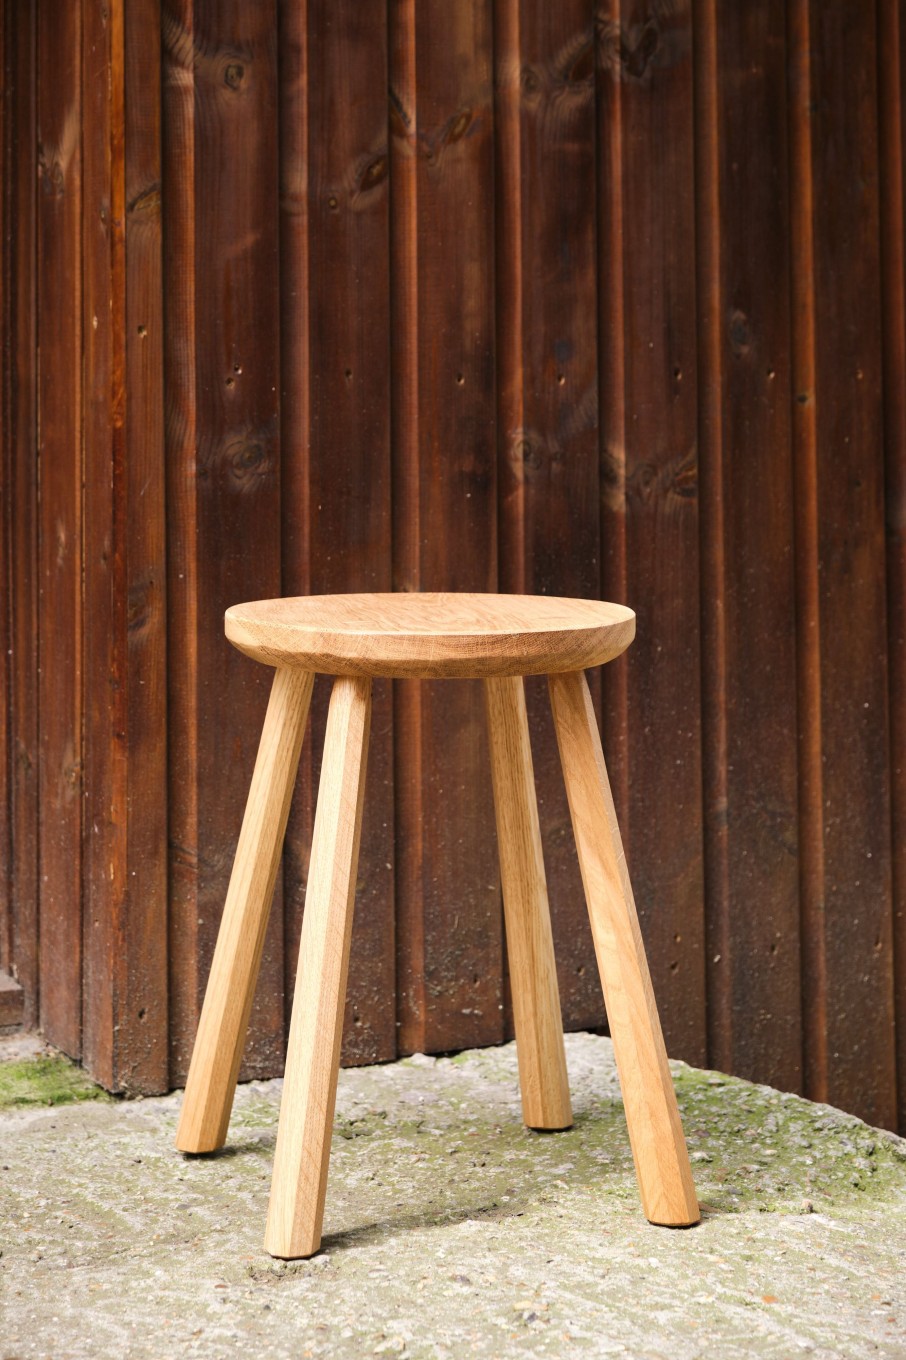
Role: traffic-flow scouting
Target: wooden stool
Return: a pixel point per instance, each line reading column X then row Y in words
column 497, row 639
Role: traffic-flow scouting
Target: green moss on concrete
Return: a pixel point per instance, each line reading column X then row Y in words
column 752, row 1148
column 45, row 1080
column 756, row 1148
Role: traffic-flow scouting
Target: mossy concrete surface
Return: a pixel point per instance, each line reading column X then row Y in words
column 45, row 1079
column 453, row 1231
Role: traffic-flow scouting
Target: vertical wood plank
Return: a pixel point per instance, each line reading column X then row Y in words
column 891, row 76
column 713, row 567
column 294, row 64
column 125, row 817
column 295, row 431
column 347, row 495
column 412, row 996
column 180, row 416
column 20, row 439
column 548, row 409
column 59, row 546
column 105, row 755
column 752, row 799
column 443, row 438
column 649, row 490
column 143, row 1013
column 750, row 791
column 851, row 926
column 508, row 298
column 238, row 467
column 611, row 245
column 223, row 435
column 808, row 633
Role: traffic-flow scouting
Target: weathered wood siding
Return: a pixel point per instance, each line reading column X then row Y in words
column 602, row 299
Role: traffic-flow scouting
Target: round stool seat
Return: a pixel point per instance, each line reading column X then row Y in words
column 431, row 635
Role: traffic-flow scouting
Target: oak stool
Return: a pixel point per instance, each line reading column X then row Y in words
column 497, row 639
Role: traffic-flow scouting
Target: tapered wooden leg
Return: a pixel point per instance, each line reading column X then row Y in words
column 214, row 1069
column 530, row 946
column 655, row 1131
column 313, row 1057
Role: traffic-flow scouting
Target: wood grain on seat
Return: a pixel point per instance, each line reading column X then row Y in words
column 429, row 635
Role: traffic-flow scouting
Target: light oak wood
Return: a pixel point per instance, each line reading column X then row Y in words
column 655, row 1130
column 530, row 947
column 211, row 1084
column 431, row 635
column 313, row 1058
column 498, row 638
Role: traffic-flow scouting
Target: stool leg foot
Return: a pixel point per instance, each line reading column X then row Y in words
column 213, row 1071
column 313, row 1056
column 530, row 946
column 655, row 1131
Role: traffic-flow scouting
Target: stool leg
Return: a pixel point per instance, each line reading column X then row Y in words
column 655, row 1131
column 214, row 1069
column 313, row 1056
column 530, row 946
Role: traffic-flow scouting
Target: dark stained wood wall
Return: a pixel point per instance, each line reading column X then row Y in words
column 596, row 298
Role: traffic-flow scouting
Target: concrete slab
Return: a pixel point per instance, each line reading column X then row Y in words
column 453, row 1231
column 16, row 1044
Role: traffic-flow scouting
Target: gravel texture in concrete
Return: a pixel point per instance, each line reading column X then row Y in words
column 450, row 1229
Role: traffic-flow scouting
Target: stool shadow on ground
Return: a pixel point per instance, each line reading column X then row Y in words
column 451, row 1164
column 385, row 1229
column 261, row 1143
column 511, row 1173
